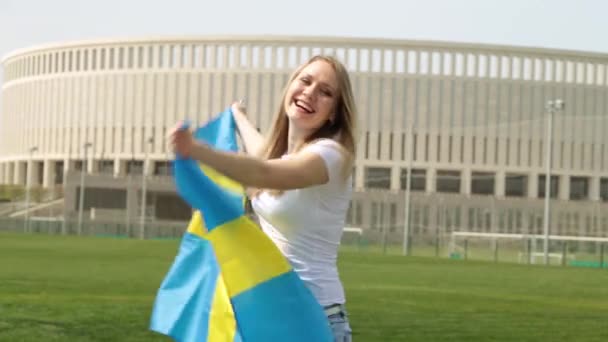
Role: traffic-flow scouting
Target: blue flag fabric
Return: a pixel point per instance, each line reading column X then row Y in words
column 229, row 282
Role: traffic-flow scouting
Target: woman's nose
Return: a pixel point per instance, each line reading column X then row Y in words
column 309, row 90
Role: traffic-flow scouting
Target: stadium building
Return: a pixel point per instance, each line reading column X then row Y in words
column 469, row 124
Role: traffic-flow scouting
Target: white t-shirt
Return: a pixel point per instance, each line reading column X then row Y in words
column 307, row 224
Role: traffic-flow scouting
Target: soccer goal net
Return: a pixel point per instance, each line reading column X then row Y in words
column 523, row 248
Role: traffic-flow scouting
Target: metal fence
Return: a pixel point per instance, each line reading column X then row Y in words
column 440, row 225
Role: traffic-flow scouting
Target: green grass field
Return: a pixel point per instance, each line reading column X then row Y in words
column 99, row 289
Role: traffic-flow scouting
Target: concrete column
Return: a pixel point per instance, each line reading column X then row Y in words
column 431, row 183
column 395, row 174
column 132, row 205
column 120, row 168
column 92, row 164
column 33, row 173
column 48, row 173
column 466, row 181
column 8, row 176
column 68, row 165
column 19, row 173
column 500, row 183
column 533, row 185
column 70, row 208
column 563, row 191
column 2, row 173
column 594, row 188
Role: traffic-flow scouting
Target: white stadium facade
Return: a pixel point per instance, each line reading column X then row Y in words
column 469, row 123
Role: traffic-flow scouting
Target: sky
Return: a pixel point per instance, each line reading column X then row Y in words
column 564, row 24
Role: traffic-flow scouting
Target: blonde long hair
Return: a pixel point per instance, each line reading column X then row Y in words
column 341, row 129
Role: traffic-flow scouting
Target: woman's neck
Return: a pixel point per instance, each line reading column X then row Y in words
column 295, row 138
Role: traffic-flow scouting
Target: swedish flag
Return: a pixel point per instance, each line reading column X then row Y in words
column 229, row 282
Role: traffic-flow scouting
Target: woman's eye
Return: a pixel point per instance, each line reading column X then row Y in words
column 305, row 80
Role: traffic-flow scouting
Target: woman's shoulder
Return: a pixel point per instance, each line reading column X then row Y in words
column 325, row 143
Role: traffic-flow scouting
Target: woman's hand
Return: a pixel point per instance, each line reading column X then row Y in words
column 181, row 140
column 239, row 107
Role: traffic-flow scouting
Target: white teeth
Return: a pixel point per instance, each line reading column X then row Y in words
column 303, row 106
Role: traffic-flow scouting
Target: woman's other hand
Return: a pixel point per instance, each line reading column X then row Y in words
column 181, row 140
column 239, row 107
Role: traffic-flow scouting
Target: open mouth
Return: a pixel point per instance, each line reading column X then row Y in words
column 303, row 106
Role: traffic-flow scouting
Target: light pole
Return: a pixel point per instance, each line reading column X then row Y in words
column 83, row 171
column 408, row 187
column 28, row 185
column 552, row 107
column 142, row 218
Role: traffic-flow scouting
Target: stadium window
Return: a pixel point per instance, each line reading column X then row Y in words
column 151, row 54
column 141, row 54
column 448, row 181
column 85, row 60
column 473, row 149
column 106, row 167
column 482, row 183
column 56, row 66
column 78, row 165
column 77, row 60
column 111, row 59
column 135, row 167
column 426, row 147
column 367, row 145
column 391, row 138
column 44, row 70
column 554, row 186
column 403, row 141
column 121, row 57
column 103, row 198
column 579, row 188
column 49, row 66
column 58, row 173
column 102, row 59
column 130, row 57
column 94, row 59
column 418, row 179
column 604, row 189
column 377, row 178
column 63, row 61
column 162, row 168
column 415, row 147
column 516, row 185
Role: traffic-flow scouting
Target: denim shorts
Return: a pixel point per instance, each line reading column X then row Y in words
column 339, row 325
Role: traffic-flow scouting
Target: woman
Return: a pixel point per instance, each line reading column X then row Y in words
column 301, row 175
